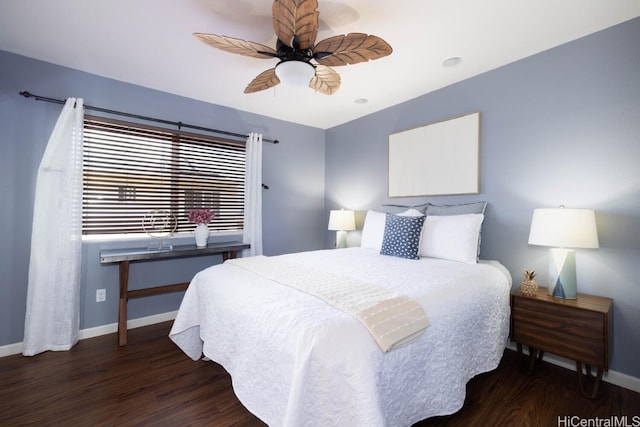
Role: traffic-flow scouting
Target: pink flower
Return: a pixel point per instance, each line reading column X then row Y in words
column 201, row 216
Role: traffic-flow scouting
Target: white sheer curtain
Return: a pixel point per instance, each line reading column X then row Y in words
column 253, row 196
column 53, row 297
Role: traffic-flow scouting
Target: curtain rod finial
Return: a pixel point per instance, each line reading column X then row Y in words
column 26, row 94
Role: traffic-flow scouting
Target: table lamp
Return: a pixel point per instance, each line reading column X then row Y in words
column 341, row 221
column 563, row 229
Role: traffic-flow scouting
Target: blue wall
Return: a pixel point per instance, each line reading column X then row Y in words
column 560, row 127
column 293, row 207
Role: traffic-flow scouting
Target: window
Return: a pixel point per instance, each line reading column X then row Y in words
column 131, row 169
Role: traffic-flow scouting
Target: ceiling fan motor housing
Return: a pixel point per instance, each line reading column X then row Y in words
column 287, row 53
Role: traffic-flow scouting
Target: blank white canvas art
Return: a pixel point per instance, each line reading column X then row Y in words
column 438, row 159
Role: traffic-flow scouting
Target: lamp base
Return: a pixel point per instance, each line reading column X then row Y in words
column 562, row 273
column 341, row 239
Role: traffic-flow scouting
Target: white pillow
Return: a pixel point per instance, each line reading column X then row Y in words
column 452, row 237
column 373, row 230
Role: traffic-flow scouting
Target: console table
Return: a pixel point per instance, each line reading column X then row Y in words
column 126, row 256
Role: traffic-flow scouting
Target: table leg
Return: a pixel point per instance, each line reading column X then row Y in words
column 122, row 313
column 229, row 255
column 534, row 355
column 597, row 379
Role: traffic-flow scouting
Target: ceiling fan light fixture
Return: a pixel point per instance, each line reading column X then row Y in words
column 295, row 73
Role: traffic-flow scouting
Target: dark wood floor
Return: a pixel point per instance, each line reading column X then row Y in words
column 151, row 382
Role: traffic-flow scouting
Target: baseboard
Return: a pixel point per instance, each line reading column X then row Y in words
column 613, row 377
column 11, row 349
column 131, row 324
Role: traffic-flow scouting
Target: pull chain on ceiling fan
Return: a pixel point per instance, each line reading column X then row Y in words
column 295, row 23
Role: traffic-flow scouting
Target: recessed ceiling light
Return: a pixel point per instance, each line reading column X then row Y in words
column 451, row 62
column 362, row 101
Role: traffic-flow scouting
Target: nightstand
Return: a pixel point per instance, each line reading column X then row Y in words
column 577, row 329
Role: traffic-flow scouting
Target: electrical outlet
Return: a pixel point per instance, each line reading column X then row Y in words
column 101, row 295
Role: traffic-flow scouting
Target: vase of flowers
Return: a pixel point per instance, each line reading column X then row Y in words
column 201, row 217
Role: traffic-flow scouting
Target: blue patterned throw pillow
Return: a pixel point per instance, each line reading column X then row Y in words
column 402, row 236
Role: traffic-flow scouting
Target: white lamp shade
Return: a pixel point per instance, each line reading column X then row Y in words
column 296, row 73
column 564, row 228
column 342, row 220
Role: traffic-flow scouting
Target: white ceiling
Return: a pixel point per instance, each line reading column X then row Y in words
column 149, row 43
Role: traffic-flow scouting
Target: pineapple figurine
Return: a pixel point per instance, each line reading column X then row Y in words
column 528, row 286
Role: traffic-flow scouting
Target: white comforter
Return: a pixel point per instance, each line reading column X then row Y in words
column 297, row 361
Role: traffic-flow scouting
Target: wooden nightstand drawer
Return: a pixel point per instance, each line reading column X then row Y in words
column 560, row 317
column 566, row 331
column 588, row 350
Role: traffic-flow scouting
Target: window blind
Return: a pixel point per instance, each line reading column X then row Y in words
column 131, row 170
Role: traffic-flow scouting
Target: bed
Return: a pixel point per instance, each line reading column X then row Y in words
column 297, row 360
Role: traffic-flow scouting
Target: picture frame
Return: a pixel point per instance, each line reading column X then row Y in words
column 441, row 158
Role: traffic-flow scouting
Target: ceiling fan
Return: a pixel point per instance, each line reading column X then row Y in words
column 295, row 23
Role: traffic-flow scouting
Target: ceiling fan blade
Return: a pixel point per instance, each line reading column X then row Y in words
column 350, row 49
column 265, row 80
column 239, row 46
column 326, row 80
column 296, row 22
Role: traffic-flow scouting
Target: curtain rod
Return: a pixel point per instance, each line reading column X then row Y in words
column 150, row 119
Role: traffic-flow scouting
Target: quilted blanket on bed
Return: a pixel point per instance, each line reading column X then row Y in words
column 393, row 320
column 296, row 360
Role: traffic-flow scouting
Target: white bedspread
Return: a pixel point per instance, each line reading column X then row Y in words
column 297, row 361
